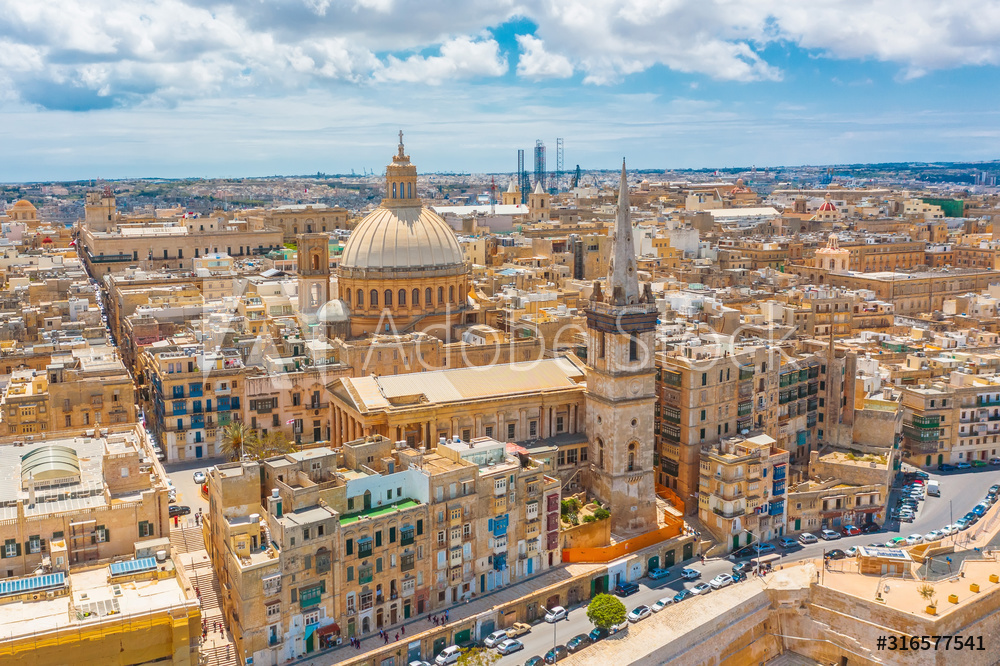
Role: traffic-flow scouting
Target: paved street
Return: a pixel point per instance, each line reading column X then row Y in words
column 960, row 491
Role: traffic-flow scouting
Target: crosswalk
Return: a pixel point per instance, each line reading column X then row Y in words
column 216, row 649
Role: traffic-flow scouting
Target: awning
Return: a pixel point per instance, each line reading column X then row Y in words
column 328, row 629
column 310, row 630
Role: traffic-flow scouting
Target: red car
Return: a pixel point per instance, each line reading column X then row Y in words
column 850, row 530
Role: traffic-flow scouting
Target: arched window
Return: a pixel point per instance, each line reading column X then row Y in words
column 361, row 299
column 348, row 296
column 451, row 294
column 315, row 262
column 388, row 298
column 428, row 296
column 440, row 294
column 295, row 230
column 415, row 297
column 402, row 297
column 631, row 457
column 394, row 190
column 373, row 298
column 600, row 453
column 409, row 192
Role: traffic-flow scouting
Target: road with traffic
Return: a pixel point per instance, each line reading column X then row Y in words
column 960, row 491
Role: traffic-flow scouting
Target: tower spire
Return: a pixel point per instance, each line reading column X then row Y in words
column 623, row 280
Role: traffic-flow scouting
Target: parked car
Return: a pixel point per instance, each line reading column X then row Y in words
column 558, row 653
column 577, row 643
column 449, row 655
column 945, row 467
column 978, row 463
column 761, row 548
column 962, row 465
column 895, row 542
column 972, row 517
column 682, row 595
column 419, row 662
column 979, row 510
column 597, row 634
column 906, row 516
column 995, row 461
column 534, row 661
column 742, row 567
column 199, row 477
column 995, row 488
column 963, row 523
column 690, row 574
column 850, row 530
column 852, row 551
column 786, row 542
column 661, row 604
column 510, row 646
column 495, row 638
column 720, row 581
column 948, row 530
column 639, row 613
column 657, row 574
column 518, row 629
column 177, row 510
column 626, row 589
column 871, row 528
column 555, row 614
column 829, row 535
column 914, row 539
column 701, row 588
column 737, row 577
column 835, row 554
column 806, row 537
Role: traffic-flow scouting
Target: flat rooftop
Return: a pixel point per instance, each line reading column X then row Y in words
column 91, row 593
column 375, row 512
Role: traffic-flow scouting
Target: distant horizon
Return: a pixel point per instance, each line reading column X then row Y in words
column 724, row 171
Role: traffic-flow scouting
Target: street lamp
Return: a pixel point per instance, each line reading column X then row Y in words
column 555, row 626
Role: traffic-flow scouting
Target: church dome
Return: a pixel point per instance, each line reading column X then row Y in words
column 403, row 238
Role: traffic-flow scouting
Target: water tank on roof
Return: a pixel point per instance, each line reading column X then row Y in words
column 161, row 556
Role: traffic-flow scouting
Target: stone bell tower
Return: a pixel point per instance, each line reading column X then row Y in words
column 314, row 271
column 621, row 323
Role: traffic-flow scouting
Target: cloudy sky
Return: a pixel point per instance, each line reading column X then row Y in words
column 117, row 88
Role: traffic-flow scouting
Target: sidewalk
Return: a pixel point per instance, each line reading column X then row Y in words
column 417, row 626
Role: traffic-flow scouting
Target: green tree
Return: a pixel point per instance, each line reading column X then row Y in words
column 605, row 611
column 478, row 657
column 237, row 439
column 260, row 446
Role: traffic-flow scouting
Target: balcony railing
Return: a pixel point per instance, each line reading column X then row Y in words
column 732, row 513
column 925, row 421
column 920, row 434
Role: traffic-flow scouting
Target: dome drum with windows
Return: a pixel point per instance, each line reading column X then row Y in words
column 402, row 258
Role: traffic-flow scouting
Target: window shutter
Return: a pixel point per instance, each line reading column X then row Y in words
column 3, row 551
column 392, row 535
column 349, row 546
column 490, row 528
column 322, row 586
column 43, row 545
column 93, row 538
column 295, row 595
column 420, row 527
column 378, row 538
column 18, row 553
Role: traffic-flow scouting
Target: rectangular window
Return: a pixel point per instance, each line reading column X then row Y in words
column 489, row 431
column 560, row 423
column 510, row 431
column 571, row 457
column 561, row 458
column 145, row 529
column 533, row 429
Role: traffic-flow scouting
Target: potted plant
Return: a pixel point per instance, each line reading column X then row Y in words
column 927, row 592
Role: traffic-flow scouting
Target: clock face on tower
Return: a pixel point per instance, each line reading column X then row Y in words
column 635, row 386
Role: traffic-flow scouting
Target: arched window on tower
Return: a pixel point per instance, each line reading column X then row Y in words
column 409, row 192
column 402, row 297
column 451, row 294
column 373, row 298
column 428, row 296
column 440, row 294
column 315, row 262
column 600, row 453
column 631, row 457
column 347, row 295
column 415, row 297
column 388, row 298
column 394, row 190
column 633, row 347
column 361, row 299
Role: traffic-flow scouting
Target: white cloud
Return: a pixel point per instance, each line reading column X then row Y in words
column 460, row 58
column 62, row 53
column 536, row 63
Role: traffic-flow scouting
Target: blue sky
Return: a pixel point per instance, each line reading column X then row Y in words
column 119, row 88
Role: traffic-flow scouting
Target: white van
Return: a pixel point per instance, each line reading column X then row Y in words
column 934, row 488
column 449, row 655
